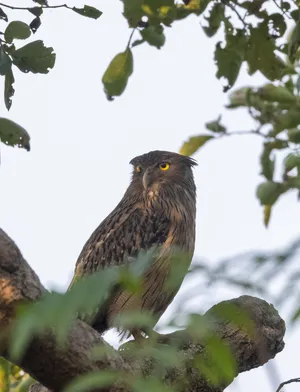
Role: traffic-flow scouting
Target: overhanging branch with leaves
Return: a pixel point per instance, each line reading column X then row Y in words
column 74, row 366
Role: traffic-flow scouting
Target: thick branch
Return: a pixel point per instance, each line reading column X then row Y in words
column 54, row 368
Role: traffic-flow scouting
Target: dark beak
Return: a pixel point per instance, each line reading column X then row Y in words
column 147, row 179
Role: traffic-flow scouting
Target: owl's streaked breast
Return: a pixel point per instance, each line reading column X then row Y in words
column 155, row 296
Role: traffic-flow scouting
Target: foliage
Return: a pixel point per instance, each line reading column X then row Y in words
column 253, row 33
column 32, row 57
column 56, row 312
column 275, row 110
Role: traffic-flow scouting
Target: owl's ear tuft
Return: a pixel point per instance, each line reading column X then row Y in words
column 133, row 161
column 189, row 161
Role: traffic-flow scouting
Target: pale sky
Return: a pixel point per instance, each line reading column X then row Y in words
column 53, row 197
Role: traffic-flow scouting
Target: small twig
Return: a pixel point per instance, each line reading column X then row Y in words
column 238, row 133
column 292, row 380
column 228, row 3
column 12, row 7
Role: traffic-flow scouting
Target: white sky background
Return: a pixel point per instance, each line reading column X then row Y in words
column 53, row 197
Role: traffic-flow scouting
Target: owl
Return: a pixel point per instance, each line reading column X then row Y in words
column 157, row 211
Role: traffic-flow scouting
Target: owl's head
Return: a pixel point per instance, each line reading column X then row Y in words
column 162, row 169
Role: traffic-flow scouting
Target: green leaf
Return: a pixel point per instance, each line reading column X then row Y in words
column 272, row 93
column 193, row 144
column 293, row 183
column 41, row 2
column 296, row 315
column 295, row 15
column 253, row 7
column 150, row 384
column 154, row 5
column 154, row 35
column 13, row 134
column 101, row 351
column 197, row 6
column 216, row 126
column 58, row 311
column 165, row 356
column 5, row 62
column 217, row 14
column 291, row 161
column 16, row 30
column 268, row 192
column 35, row 24
column 133, row 11
column 221, row 358
column 218, row 365
column 34, row 57
column 287, row 120
column 116, row 76
column 3, row 15
column 294, row 42
column 294, row 135
column 229, row 59
column 135, row 318
column 8, row 88
column 267, row 164
column 285, row 6
column 137, row 42
column 36, row 11
column 90, row 381
column 88, row 11
column 25, row 383
column 278, row 22
column 260, row 54
column 233, row 313
column 267, row 214
column 239, row 98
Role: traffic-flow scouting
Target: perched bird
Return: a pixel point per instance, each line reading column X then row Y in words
column 158, row 209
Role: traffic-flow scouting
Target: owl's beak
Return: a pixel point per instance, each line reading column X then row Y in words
column 146, row 179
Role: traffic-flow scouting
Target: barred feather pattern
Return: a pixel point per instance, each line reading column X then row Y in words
column 163, row 215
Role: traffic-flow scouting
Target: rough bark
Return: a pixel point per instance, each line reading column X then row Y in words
column 55, row 368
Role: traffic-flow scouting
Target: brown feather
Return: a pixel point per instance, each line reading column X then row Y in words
column 162, row 215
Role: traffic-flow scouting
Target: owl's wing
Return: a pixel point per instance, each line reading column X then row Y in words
column 119, row 239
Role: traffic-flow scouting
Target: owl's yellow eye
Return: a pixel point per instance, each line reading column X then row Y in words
column 138, row 169
column 164, row 166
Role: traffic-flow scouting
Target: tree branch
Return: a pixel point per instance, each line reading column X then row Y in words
column 12, row 7
column 54, row 368
column 291, row 381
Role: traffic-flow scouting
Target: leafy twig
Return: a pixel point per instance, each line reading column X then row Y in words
column 292, row 380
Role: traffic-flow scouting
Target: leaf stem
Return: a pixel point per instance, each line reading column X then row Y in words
column 130, row 37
